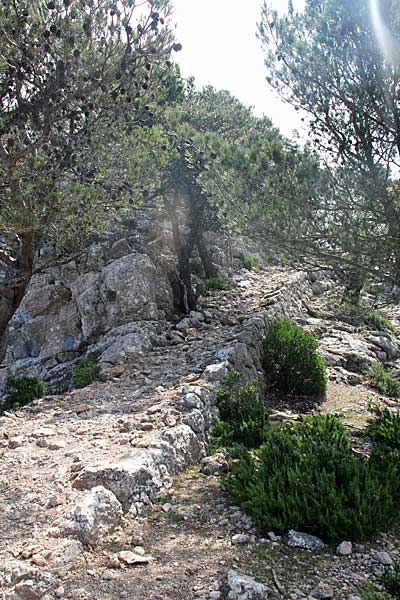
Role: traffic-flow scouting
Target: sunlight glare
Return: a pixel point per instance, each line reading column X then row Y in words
column 387, row 42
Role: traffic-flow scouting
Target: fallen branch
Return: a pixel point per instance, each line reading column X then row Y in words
column 277, row 583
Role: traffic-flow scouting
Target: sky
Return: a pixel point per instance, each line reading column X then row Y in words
column 220, row 48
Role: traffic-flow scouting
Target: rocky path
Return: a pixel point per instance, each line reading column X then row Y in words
column 185, row 545
column 43, row 446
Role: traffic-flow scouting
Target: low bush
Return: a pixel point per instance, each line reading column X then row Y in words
column 249, row 263
column 85, row 373
column 361, row 315
column 218, row 284
column 19, row 391
column 384, row 428
column 378, row 321
column 291, row 362
column 369, row 593
column 384, row 380
column 243, row 418
column 305, row 476
column 391, row 580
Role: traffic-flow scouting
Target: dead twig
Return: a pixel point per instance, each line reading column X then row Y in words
column 277, row 583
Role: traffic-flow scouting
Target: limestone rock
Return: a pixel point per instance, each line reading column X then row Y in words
column 120, row 248
column 120, row 344
column 383, row 558
column 67, row 553
column 131, row 558
column 344, row 549
column 320, row 287
column 34, row 584
column 240, row 359
column 95, row 516
column 387, row 343
column 187, row 448
column 296, row 539
column 135, row 473
column 323, row 591
column 240, row 538
column 72, row 306
column 189, row 400
column 216, row 372
column 242, row 587
column 346, row 349
column 212, row 465
column 195, row 420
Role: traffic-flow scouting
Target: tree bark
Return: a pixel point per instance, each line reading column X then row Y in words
column 188, row 298
column 209, row 268
column 13, row 290
column 183, row 243
column 353, row 289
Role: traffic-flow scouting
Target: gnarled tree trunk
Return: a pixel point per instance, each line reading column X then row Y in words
column 185, row 299
column 209, row 268
column 353, row 288
column 13, row 288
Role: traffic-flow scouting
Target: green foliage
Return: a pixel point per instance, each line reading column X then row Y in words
column 375, row 319
column 85, row 373
column 363, row 315
column 391, row 580
column 70, row 74
column 250, row 264
column 384, row 380
column 20, row 391
column 369, row 593
column 305, row 476
column 351, row 118
column 384, row 428
column 290, row 360
column 243, row 417
column 218, row 284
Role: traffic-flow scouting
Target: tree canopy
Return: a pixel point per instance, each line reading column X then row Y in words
column 331, row 61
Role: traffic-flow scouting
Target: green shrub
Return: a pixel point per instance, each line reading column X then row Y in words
column 305, row 476
column 218, row 284
column 249, row 263
column 85, row 373
column 384, row 380
column 369, row 593
column 243, row 418
column 291, row 362
column 19, row 391
column 384, row 428
column 391, row 580
column 378, row 321
column 361, row 315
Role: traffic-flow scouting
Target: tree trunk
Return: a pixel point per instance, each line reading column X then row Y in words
column 188, row 298
column 183, row 243
column 209, row 269
column 353, row 289
column 13, row 290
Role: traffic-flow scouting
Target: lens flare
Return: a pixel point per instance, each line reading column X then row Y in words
column 387, row 42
